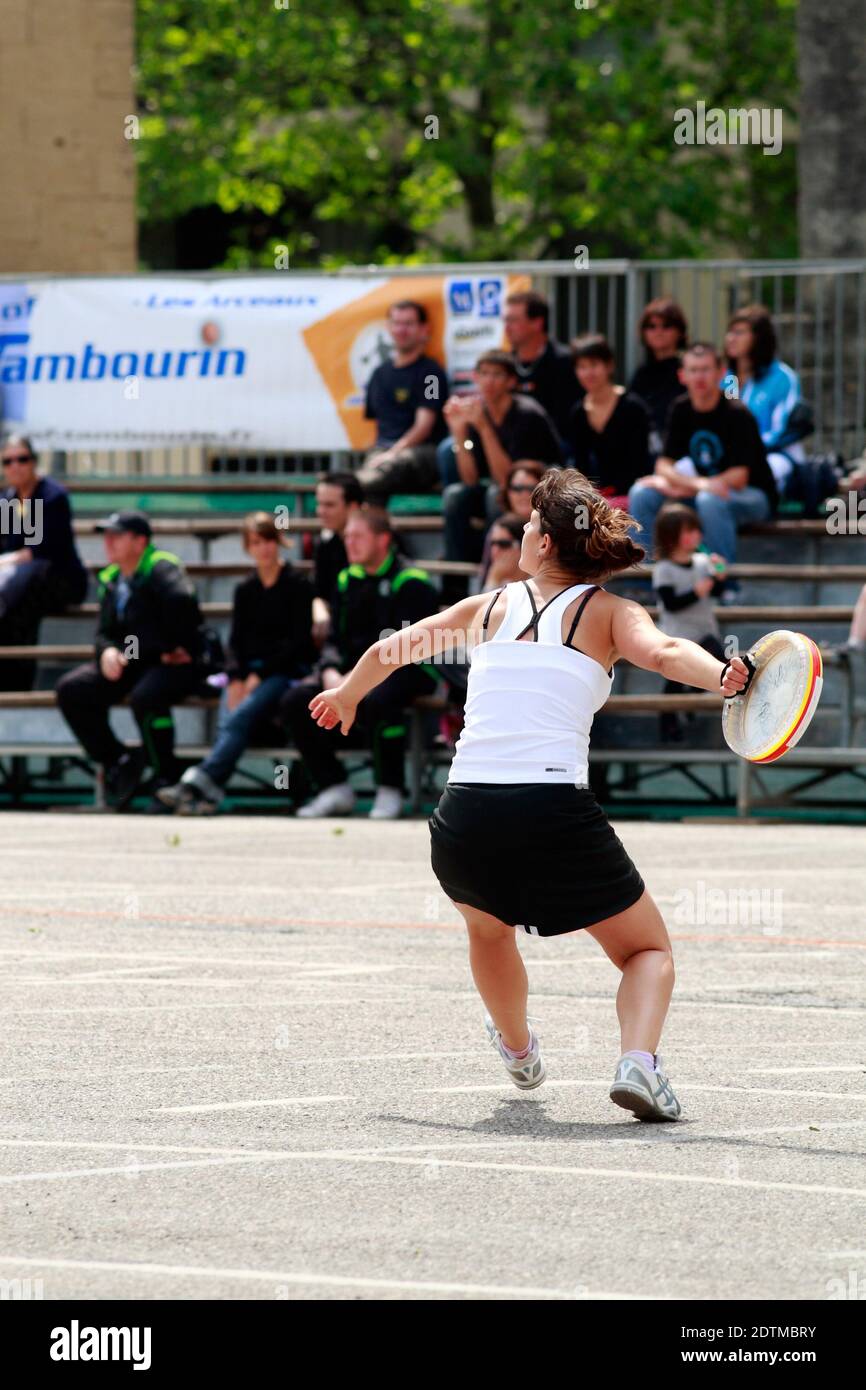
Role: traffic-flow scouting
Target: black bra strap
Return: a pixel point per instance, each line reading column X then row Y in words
column 537, row 612
column 580, row 607
column 489, row 611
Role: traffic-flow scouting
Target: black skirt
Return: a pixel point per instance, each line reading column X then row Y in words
column 540, row 857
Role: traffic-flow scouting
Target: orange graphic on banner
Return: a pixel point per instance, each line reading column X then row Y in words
column 348, row 344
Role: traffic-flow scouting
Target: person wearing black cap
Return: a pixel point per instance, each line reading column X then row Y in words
column 146, row 646
column 40, row 569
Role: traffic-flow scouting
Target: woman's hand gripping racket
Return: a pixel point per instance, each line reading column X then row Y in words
column 771, row 694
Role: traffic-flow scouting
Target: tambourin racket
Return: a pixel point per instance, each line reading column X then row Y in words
column 776, row 708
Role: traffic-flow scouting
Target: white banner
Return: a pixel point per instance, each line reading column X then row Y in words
column 247, row 362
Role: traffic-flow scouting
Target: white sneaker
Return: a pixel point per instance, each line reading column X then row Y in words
column 333, row 801
column 648, row 1094
column 388, row 804
column 526, row 1072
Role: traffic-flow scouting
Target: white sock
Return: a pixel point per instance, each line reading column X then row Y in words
column 524, row 1052
column 646, row 1057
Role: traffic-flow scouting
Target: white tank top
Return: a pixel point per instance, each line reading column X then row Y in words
column 530, row 704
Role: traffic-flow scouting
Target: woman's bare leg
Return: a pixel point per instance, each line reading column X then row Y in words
column 499, row 974
column 638, row 944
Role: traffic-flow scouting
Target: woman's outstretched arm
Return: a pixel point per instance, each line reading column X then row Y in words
column 637, row 638
column 425, row 640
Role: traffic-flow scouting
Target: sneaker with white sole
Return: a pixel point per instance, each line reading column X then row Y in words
column 387, row 805
column 526, row 1072
column 338, row 800
column 648, row 1094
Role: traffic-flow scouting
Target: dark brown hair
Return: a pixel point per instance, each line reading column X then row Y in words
column 261, row 524
column 376, row 518
column 594, row 346
column 534, row 469
column 512, row 522
column 670, row 312
column 672, row 520
column 764, row 341
column 535, row 304
column 421, row 312
column 21, row 441
column 347, row 483
column 497, row 358
column 591, row 537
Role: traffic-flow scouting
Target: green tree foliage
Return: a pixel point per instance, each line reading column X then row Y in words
column 307, row 126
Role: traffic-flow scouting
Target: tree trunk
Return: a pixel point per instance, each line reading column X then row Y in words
column 832, row 146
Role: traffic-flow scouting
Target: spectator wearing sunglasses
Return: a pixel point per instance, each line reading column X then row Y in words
column 40, row 569
column 516, row 500
column 506, row 538
column 663, row 333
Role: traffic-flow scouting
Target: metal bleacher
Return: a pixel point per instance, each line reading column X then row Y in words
column 794, row 574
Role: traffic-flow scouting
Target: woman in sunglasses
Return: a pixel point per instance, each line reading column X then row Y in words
column 40, row 568
column 663, row 333
column 514, row 499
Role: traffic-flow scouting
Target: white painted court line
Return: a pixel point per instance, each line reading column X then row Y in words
column 631, row 1137
column 811, row 984
column 794, row 1071
column 686, row 1086
column 247, row 1104
column 277, row 1276
column 287, row 981
column 680, row 1003
column 635, row 1175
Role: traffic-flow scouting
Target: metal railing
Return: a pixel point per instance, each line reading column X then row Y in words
column 819, row 309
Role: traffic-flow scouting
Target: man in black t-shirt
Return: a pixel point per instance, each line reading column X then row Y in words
column 713, row 460
column 491, row 431
column 405, row 397
column 544, row 367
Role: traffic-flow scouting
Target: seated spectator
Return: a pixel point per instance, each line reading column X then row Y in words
column 544, row 367
column 378, row 593
column 609, row 427
column 338, row 497
column 270, row 651
column 767, row 386
column 506, row 539
column 515, row 497
column 684, row 578
column 490, row 431
column 40, row 569
column 147, row 645
column 405, row 397
column 664, row 334
column 713, row 460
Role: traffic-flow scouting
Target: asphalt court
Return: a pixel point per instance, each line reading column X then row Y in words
column 243, row 1058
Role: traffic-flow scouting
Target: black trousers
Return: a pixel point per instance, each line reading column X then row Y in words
column 380, row 720
column 85, row 698
column 28, row 595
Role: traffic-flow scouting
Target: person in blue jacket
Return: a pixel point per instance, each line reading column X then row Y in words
column 767, row 386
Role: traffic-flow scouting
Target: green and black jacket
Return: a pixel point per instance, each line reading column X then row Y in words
column 162, row 611
column 367, row 605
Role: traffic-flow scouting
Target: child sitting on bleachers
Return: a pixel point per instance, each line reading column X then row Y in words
column 684, row 579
